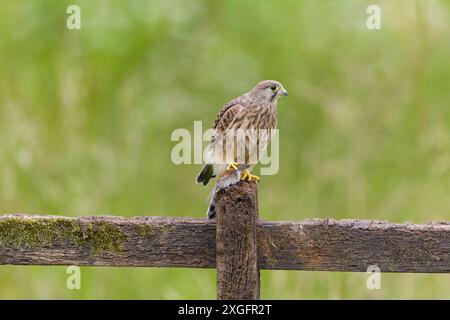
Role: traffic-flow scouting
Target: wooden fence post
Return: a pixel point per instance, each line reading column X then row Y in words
column 236, row 247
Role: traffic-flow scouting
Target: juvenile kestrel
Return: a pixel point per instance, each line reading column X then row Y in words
column 243, row 129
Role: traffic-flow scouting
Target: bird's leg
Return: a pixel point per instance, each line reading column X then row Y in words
column 246, row 175
column 232, row 166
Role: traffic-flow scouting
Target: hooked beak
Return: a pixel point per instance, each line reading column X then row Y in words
column 283, row 92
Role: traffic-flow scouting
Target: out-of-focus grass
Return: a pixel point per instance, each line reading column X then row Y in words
column 86, row 118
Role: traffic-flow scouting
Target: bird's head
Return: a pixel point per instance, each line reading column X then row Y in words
column 269, row 90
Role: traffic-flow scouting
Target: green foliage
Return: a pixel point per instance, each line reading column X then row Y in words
column 86, row 117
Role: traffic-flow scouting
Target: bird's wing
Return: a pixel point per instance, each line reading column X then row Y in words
column 227, row 115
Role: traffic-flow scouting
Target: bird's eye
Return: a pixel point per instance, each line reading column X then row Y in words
column 274, row 88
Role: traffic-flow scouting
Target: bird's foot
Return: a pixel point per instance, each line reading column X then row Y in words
column 232, row 166
column 246, row 175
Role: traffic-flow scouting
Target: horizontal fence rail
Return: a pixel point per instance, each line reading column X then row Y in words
column 316, row 244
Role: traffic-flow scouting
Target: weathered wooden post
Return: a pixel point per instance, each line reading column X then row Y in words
column 236, row 249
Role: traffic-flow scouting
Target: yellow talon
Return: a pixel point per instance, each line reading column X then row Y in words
column 232, row 166
column 246, row 175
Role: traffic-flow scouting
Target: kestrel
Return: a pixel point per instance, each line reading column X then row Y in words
column 242, row 131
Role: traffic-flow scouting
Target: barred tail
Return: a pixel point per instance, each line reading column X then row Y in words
column 224, row 181
column 206, row 174
column 212, row 204
column 212, row 208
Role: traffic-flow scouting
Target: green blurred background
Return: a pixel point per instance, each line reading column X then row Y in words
column 86, row 117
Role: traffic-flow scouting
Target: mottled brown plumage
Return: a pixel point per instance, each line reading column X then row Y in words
column 244, row 124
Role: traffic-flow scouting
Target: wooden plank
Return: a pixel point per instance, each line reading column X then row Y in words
column 345, row 245
column 107, row 241
column 236, row 254
column 354, row 245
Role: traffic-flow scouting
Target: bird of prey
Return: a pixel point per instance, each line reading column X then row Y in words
column 242, row 130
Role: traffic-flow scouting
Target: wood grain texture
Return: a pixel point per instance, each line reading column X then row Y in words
column 236, row 247
column 316, row 244
column 136, row 241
